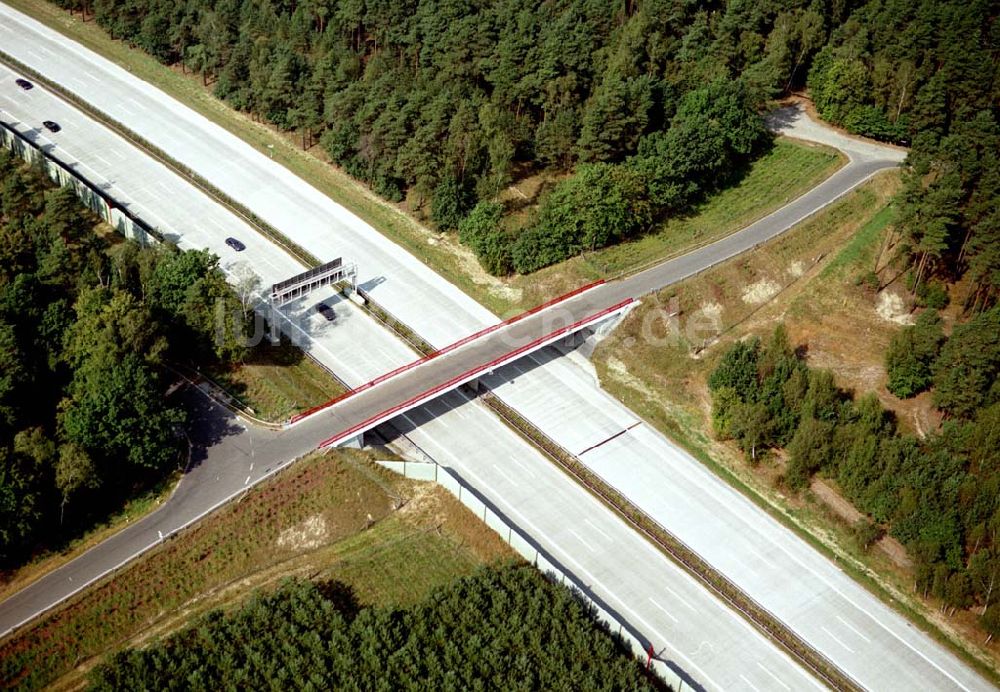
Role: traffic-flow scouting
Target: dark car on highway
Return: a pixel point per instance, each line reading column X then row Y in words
column 24, row 84
column 51, row 125
column 235, row 244
column 326, row 311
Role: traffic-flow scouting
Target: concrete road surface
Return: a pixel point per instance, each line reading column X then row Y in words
column 192, row 220
column 704, row 639
column 306, row 216
column 440, row 313
column 827, row 608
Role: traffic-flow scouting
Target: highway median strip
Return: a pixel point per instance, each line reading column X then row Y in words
column 675, row 549
column 162, row 157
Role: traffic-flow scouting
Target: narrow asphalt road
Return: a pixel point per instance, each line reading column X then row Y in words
column 227, row 466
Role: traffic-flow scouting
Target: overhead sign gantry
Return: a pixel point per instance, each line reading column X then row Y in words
column 302, row 284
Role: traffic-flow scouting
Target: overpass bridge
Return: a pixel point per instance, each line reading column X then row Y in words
column 343, row 421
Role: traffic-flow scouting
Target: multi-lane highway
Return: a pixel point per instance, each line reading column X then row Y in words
column 646, row 590
column 834, row 614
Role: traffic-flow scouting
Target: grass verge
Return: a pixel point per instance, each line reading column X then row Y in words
column 134, row 509
column 330, row 516
column 808, row 280
column 676, row 550
column 277, row 381
column 787, row 171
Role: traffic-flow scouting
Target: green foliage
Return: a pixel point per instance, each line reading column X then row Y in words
column 911, row 355
column 866, row 534
column 452, row 201
column 738, row 370
column 965, row 374
column 915, row 67
column 715, row 132
column 810, row 449
column 602, row 204
column 84, row 331
column 939, row 496
column 500, row 628
column 116, row 409
column 481, row 230
column 758, row 393
column 449, row 100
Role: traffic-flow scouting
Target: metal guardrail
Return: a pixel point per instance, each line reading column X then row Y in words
column 527, row 548
column 659, row 535
column 110, row 204
column 682, row 554
column 161, row 156
column 464, row 377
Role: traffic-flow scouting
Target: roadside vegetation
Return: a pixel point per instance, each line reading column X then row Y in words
column 332, row 550
column 786, row 171
column 834, row 330
column 439, row 249
column 647, row 109
column 273, row 382
column 90, row 326
column 938, row 495
column 500, row 628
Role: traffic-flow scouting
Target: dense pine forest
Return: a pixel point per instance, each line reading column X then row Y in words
column 85, row 328
column 502, row 628
column 939, row 495
column 651, row 104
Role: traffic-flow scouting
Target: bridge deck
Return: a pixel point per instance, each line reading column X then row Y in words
column 410, row 386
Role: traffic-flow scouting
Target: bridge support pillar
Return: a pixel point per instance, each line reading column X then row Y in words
column 275, row 335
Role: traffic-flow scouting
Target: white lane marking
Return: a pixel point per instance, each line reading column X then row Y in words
column 101, row 159
column 137, row 102
column 580, row 538
column 854, row 629
column 505, row 475
column 665, row 611
column 752, row 686
column 583, row 572
column 594, row 527
column 764, row 558
column 765, row 533
column 531, row 474
column 247, row 480
column 679, row 597
column 864, row 611
column 776, row 678
column 836, row 639
column 251, row 466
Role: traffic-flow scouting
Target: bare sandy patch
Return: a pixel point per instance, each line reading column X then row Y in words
column 619, row 370
column 891, row 308
column 760, row 292
column 308, row 535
